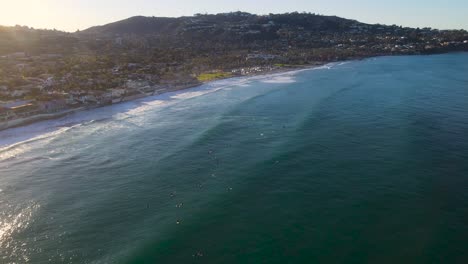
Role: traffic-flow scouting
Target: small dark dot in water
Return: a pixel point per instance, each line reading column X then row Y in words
column 178, row 222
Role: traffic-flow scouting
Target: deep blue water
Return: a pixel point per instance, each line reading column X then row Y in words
column 359, row 162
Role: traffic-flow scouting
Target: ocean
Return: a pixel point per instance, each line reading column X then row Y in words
column 353, row 162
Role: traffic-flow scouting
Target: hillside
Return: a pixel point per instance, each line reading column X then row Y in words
column 232, row 32
column 138, row 25
column 219, row 24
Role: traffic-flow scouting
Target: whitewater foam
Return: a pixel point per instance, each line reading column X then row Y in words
column 11, row 139
column 280, row 80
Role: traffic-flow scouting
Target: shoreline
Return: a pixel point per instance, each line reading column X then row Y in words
column 21, row 122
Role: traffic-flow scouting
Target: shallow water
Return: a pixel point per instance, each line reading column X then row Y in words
column 360, row 162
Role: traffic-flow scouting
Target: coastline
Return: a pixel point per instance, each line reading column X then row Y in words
column 21, row 122
column 37, row 118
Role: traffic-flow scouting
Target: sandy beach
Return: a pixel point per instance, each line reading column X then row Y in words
column 180, row 89
column 41, row 125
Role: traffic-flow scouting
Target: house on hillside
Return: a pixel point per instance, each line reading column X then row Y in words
column 16, row 55
column 261, row 57
column 118, row 92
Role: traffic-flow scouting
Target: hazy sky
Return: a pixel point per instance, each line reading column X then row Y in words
column 71, row 15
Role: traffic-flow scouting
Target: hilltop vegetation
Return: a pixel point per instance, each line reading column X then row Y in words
column 220, row 24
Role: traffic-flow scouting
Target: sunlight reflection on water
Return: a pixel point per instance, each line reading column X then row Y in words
column 13, row 222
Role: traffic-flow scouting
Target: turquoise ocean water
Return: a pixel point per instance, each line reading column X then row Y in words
column 356, row 162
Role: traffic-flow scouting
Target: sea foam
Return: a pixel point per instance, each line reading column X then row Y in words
column 12, row 139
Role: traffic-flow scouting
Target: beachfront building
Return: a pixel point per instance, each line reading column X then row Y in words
column 52, row 105
column 25, row 110
column 5, row 114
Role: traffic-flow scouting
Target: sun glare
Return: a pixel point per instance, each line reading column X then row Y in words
column 37, row 14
